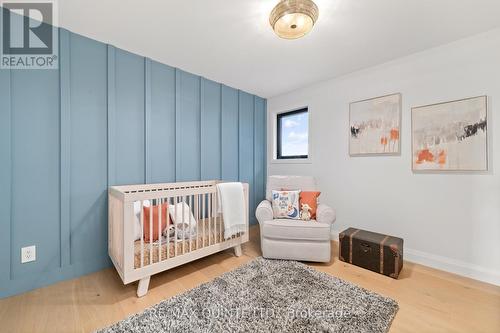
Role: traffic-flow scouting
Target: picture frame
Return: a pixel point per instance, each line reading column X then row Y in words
column 375, row 126
column 454, row 138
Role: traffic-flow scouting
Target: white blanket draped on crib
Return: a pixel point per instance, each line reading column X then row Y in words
column 232, row 206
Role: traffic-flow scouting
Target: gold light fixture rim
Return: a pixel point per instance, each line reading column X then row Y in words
column 285, row 7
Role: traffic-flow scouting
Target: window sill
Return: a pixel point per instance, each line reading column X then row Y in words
column 291, row 161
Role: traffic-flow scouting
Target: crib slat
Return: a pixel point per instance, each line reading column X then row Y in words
column 176, row 200
column 168, row 233
column 216, row 208
column 209, row 211
column 221, row 222
column 151, row 209
column 142, row 233
column 219, row 217
column 197, row 217
column 203, row 216
column 189, row 219
column 160, row 213
column 184, row 226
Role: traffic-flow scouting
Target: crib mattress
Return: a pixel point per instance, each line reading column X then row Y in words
column 206, row 236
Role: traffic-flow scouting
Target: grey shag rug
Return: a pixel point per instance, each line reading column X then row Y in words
column 267, row 296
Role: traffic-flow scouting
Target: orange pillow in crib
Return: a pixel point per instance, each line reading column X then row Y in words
column 310, row 198
column 164, row 221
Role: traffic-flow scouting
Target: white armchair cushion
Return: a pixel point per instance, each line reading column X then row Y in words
column 279, row 183
column 286, row 229
column 264, row 211
column 325, row 214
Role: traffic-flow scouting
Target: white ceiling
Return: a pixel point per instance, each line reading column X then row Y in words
column 230, row 41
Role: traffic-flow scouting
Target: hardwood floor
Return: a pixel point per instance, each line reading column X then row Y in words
column 430, row 300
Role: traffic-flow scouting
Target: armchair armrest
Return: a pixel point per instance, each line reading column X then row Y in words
column 264, row 211
column 325, row 214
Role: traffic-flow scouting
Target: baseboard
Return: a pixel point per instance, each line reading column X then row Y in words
column 447, row 264
column 334, row 234
column 42, row 279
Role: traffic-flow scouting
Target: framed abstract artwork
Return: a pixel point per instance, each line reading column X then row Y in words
column 451, row 136
column 375, row 126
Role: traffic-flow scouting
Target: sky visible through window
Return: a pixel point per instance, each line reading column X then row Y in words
column 294, row 134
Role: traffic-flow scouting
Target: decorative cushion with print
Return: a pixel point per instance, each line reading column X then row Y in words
column 286, row 204
column 311, row 199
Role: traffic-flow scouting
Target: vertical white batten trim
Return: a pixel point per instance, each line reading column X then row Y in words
column 239, row 130
column 201, row 80
column 265, row 170
column 65, row 147
column 253, row 151
column 6, row 182
column 177, row 124
column 147, row 121
column 111, row 113
column 200, row 117
column 220, row 131
column 11, row 179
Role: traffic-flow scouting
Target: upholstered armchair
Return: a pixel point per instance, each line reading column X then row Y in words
column 294, row 239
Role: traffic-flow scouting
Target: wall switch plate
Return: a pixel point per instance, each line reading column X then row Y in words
column 28, row 254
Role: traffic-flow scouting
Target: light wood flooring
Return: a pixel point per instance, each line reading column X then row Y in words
column 430, row 300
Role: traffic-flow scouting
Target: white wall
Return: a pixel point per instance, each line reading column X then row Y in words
column 449, row 221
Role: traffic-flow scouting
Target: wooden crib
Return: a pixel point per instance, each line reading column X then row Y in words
column 138, row 259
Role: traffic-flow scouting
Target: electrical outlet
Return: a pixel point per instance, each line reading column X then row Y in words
column 28, row 254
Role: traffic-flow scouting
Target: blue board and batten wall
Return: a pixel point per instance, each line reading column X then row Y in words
column 108, row 117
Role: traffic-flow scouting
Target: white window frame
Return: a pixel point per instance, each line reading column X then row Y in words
column 273, row 138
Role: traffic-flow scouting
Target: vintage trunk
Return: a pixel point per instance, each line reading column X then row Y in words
column 377, row 252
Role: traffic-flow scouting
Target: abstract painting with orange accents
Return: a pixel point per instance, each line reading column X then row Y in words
column 451, row 136
column 375, row 126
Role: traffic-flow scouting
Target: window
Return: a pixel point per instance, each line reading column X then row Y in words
column 292, row 135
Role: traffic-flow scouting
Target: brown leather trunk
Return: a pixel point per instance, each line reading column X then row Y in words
column 377, row 252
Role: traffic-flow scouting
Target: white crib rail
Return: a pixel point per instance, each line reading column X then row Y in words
column 155, row 256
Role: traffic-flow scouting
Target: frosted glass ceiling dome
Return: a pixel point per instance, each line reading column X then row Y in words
column 292, row 19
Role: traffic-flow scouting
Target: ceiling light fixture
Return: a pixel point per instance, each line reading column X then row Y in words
column 292, row 19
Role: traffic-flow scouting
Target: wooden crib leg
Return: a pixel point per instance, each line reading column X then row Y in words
column 237, row 250
column 142, row 288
